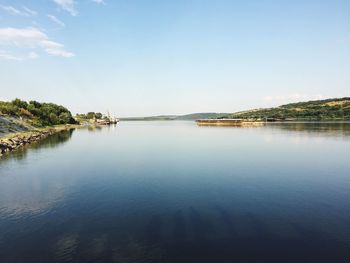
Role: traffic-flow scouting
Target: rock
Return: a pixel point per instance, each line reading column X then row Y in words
column 3, row 145
column 20, row 141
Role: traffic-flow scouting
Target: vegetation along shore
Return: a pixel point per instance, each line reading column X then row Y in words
column 22, row 122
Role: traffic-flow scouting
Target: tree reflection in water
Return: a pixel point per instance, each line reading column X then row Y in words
column 324, row 129
column 52, row 141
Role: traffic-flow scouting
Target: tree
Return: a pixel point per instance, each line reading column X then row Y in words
column 64, row 117
column 35, row 103
column 90, row 115
column 53, row 119
column 39, row 114
column 33, row 110
column 98, row 115
column 8, row 108
column 20, row 103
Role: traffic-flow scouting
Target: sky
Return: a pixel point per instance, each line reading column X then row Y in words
column 155, row 57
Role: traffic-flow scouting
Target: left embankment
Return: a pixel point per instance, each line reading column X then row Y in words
column 18, row 141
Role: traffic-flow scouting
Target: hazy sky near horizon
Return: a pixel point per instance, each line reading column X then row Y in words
column 137, row 58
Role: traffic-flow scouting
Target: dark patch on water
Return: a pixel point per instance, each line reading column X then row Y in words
column 227, row 220
column 259, row 228
column 259, row 249
column 199, row 225
column 179, row 229
column 153, row 230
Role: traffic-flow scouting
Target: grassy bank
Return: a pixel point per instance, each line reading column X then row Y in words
column 337, row 109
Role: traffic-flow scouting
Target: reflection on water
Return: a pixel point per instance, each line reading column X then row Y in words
column 50, row 142
column 339, row 129
column 30, row 195
column 95, row 128
column 176, row 192
column 321, row 128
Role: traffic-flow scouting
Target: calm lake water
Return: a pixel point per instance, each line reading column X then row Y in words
column 175, row 192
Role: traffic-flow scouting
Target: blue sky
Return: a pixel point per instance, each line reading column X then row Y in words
column 136, row 57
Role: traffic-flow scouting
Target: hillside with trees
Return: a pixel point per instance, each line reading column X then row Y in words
column 192, row 116
column 329, row 109
column 35, row 113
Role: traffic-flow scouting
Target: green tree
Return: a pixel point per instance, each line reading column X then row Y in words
column 98, row 115
column 8, row 108
column 35, row 103
column 64, row 117
column 53, row 119
column 20, row 103
column 90, row 115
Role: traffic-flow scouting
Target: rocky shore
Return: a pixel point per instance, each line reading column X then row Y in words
column 22, row 139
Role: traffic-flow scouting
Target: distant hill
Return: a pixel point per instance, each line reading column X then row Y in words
column 150, row 118
column 192, row 116
column 329, row 109
column 195, row 116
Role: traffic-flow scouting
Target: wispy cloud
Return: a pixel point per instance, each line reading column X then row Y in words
column 55, row 20
column 99, row 1
column 30, row 11
column 33, row 55
column 17, row 12
column 32, row 38
column 67, row 5
column 7, row 56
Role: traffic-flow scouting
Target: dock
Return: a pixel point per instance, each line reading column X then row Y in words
column 229, row 122
column 106, row 121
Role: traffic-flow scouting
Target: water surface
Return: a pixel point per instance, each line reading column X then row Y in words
column 174, row 192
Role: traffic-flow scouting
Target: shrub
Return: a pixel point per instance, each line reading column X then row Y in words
column 25, row 113
column 40, row 114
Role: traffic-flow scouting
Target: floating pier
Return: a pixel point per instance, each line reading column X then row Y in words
column 229, row 122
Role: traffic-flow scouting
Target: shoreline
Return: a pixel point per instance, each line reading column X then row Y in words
column 15, row 141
